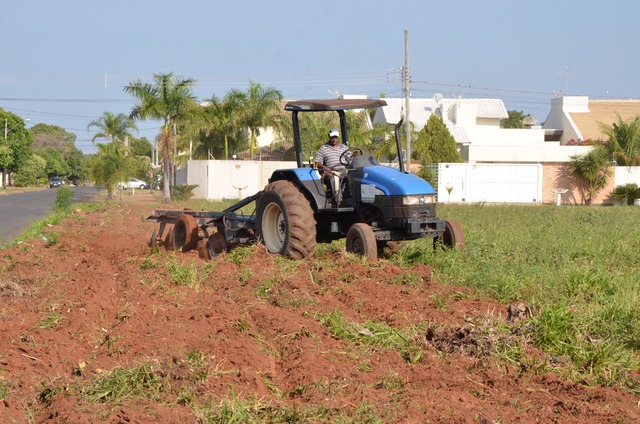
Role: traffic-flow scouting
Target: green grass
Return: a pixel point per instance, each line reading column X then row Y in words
column 138, row 381
column 188, row 275
column 577, row 267
column 406, row 342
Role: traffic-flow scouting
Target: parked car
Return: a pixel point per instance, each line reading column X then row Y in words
column 56, row 182
column 134, row 183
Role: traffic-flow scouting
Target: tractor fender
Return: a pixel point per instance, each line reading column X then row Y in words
column 308, row 182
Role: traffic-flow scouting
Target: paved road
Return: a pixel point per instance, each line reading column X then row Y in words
column 18, row 210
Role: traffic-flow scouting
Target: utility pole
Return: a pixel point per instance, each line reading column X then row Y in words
column 407, row 93
column 4, row 169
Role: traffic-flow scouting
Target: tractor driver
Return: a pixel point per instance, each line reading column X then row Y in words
column 328, row 159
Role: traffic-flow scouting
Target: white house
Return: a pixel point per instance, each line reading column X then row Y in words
column 575, row 119
column 475, row 125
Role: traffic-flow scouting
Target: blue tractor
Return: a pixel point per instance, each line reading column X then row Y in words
column 377, row 207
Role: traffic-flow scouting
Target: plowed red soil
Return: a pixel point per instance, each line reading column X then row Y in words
column 251, row 327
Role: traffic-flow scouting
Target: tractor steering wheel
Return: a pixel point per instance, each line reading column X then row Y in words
column 345, row 159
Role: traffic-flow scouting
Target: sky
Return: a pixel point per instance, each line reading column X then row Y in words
column 65, row 63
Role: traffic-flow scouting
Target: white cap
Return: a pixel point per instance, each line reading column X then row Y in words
column 333, row 132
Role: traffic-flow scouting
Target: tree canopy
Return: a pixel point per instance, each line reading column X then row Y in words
column 624, row 140
column 57, row 147
column 111, row 165
column 435, row 144
column 516, row 119
column 256, row 108
column 15, row 148
column 112, row 127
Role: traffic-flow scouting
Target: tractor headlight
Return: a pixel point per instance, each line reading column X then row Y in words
column 421, row 199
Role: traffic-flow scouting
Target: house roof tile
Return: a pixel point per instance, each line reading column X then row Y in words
column 605, row 112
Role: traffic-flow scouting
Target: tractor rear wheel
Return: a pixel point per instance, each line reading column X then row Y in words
column 285, row 222
column 362, row 241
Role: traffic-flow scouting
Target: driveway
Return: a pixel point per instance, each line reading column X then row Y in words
column 18, row 210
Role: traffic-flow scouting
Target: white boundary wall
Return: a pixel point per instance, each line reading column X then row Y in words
column 627, row 174
column 499, row 183
column 469, row 182
column 228, row 179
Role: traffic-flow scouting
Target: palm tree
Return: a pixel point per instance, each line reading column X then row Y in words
column 113, row 163
column 221, row 122
column 593, row 168
column 624, row 140
column 171, row 100
column 256, row 108
column 112, row 127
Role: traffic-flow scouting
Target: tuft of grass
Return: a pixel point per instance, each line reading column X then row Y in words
column 51, row 321
column 196, row 360
column 237, row 409
column 148, row 263
column 409, row 279
column 4, row 389
column 188, row 275
column 407, row 342
column 242, row 326
column 140, row 381
column 264, row 289
column 240, row 254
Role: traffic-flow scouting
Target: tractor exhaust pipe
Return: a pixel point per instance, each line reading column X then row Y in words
column 396, row 131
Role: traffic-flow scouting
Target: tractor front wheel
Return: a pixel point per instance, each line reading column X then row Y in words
column 453, row 236
column 285, row 222
column 362, row 241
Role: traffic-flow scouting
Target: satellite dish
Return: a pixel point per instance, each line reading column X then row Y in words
column 529, row 121
column 438, row 97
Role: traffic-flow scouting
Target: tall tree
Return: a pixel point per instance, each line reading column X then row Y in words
column 594, row 169
column 15, row 147
column 32, row 172
column 171, row 100
column 258, row 105
column 112, row 127
column 56, row 164
column 46, row 137
column 624, row 140
column 435, row 144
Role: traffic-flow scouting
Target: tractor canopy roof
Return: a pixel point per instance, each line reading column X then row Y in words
column 333, row 105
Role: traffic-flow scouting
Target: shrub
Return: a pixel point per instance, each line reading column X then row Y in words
column 627, row 192
column 184, row 191
column 63, row 198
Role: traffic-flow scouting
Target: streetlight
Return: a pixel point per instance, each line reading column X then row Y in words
column 6, row 140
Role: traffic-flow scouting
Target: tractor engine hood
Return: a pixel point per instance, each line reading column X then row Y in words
column 394, row 182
